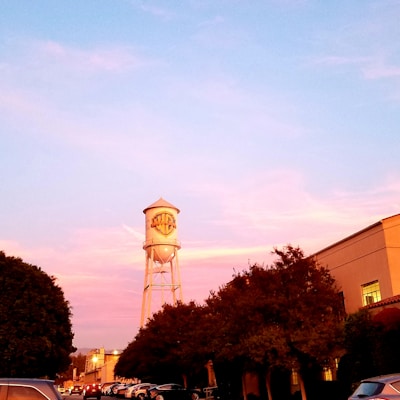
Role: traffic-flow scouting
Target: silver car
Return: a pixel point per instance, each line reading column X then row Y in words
column 377, row 388
column 32, row 389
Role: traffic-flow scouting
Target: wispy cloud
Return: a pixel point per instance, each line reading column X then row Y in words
column 381, row 70
column 337, row 60
column 216, row 20
column 372, row 68
column 49, row 55
column 114, row 59
column 157, row 11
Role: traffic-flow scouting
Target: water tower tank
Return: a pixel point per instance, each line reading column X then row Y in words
column 161, row 231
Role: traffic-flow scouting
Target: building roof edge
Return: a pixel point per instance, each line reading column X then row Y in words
column 380, row 222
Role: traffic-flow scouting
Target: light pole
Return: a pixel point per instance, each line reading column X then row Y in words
column 94, row 360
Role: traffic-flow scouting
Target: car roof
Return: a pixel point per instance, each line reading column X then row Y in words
column 383, row 378
column 46, row 386
column 25, row 380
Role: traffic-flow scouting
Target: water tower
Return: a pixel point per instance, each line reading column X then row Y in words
column 162, row 273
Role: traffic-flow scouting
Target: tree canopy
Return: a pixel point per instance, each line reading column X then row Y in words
column 286, row 315
column 169, row 347
column 371, row 344
column 35, row 331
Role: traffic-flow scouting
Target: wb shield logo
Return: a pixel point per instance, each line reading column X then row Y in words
column 164, row 223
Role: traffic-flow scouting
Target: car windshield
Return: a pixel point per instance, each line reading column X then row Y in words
column 369, row 389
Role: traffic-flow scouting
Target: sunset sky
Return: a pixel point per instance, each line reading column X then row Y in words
column 265, row 122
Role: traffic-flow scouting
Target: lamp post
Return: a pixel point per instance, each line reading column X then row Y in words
column 94, row 360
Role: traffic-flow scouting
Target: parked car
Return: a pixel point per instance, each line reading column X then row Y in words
column 22, row 388
column 91, row 390
column 130, row 390
column 109, row 390
column 106, row 385
column 76, row 389
column 384, row 387
column 116, row 388
column 173, row 391
column 121, row 390
column 138, row 391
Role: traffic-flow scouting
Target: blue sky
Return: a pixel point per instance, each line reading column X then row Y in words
column 264, row 122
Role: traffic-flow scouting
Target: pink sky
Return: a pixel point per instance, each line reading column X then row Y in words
column 265, row 123
column 102, row 270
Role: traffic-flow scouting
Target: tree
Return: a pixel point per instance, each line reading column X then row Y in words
column 236, row 313
column 287, row 315
column 310, row 311
column 169, row 347
column 280, row 317
column 35, row 330
column 359, row 337
column 387, row 352
column 371, row 344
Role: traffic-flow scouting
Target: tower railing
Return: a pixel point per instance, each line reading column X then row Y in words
column 162, row 242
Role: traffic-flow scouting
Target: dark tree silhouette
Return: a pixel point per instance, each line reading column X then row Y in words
column 284, row 316
column 287, row 315
column 371, row 344
column 169, row 347
column 35, row 330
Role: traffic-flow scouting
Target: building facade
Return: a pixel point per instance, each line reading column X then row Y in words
column 100, row 365
column 366, row 265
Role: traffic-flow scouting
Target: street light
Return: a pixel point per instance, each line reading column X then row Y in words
column 94, row 360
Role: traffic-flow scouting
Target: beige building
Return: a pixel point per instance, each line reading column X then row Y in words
column 100, row 365
column 366, row 265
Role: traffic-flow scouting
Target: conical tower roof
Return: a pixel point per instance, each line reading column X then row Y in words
column 161, row 203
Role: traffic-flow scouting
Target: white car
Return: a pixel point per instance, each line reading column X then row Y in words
column 380, row 387
column 106, row 385
column 138, row 391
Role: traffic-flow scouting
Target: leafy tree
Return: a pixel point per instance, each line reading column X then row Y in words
column 371, row 344
column 359, row 335
column 169, row 347
column 310, row 310
column 386, row 349
column 287, row 315
column 35, row 329
column 235, row 314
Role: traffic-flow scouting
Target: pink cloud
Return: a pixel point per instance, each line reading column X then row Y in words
column 381, row 71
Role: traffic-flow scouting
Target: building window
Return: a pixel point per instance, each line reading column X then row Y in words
column 294, row 378
column 327, row 374
column 371, row 293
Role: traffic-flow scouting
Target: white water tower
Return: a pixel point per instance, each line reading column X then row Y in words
column 162, row 273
